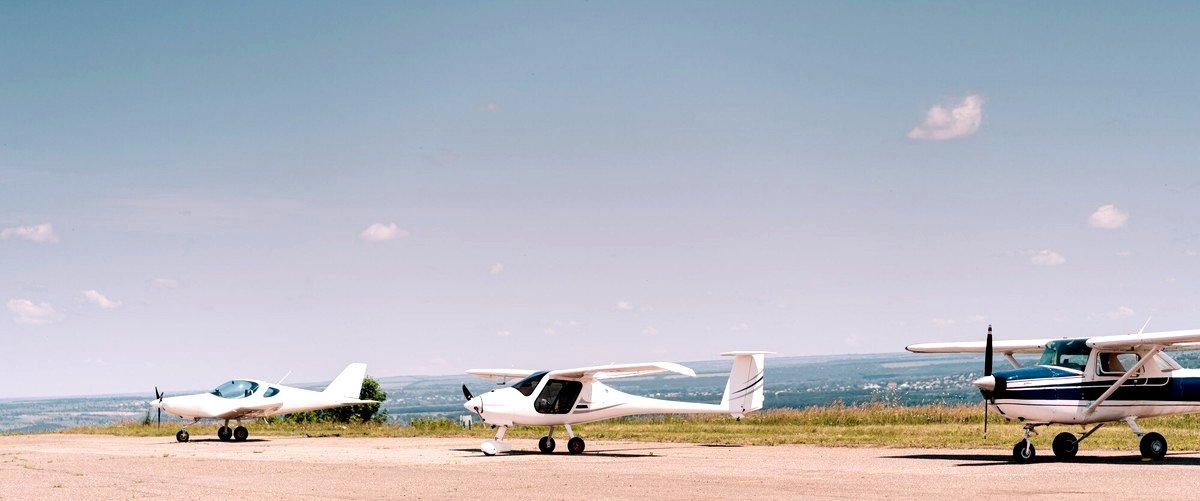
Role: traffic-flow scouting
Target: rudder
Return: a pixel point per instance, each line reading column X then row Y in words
column 349, row 383
column 744, row 391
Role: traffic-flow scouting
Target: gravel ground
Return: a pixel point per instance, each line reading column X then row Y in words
column 106, row 467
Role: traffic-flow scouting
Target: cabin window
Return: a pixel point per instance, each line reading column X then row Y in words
column 558, row 397
column 527, row 385
column 270, row 392
column 1116, row 364
column 236, row 389
column 1066, row 353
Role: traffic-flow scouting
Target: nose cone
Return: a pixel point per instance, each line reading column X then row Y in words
column 157, row 404
column 986, row 383
column 474, row 404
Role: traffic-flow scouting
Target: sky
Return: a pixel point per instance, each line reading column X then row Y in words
column 191, row 192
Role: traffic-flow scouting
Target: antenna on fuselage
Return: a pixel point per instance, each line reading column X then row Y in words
column 285, row 376
column 1143, row 329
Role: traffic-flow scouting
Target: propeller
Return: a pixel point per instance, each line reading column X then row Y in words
column 466, row 392
column 159, row 396
column 987, row 371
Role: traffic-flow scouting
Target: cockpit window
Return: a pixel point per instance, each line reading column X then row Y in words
column 271, row 391
column 1066, row 353
column 236, row 389
column 527, row 385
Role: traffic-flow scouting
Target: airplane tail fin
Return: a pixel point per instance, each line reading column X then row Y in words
column 349, row 383
column 744, row 391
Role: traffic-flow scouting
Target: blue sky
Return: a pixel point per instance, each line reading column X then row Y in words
column 185, row 190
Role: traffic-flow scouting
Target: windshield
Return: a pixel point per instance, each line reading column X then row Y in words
column 526, row 386
column 235, row 389
column 1066, row 353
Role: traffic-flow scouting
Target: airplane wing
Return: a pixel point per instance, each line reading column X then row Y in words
column 251, row 411
column 620, row 370
column 1013, row 346
column 500, row 373
column 1170, row 339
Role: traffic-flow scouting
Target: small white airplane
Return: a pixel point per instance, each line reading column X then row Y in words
column 1086, row 381
column 250, row 398
column 573, row 396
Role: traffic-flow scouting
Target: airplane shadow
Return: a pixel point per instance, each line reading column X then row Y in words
column 599, row 453
column 247, row 441
column 1000, row 459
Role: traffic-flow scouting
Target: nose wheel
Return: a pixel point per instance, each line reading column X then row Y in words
column 182, row 436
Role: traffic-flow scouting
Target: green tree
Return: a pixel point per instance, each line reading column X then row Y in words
column 363, row 413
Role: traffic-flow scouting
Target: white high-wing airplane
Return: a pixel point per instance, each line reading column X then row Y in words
column 1086, row 381
column 250, row 398
column 572, row 396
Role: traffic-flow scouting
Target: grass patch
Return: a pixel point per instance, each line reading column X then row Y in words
column 836, row 425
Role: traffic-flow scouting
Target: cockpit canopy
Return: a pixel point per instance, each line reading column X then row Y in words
column 1066, row 353
column 527, row 385
column 236, row 389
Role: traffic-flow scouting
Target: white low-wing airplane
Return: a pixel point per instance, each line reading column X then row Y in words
column 241, row 399
column 1086, row 381
column 573, row 396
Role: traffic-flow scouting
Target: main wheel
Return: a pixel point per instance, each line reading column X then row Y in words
column 1065, row 446
column 546, row 444
column 241, row 433
column 224, row 433
column 575, row 445
column 182, row 436
column 1023, row 454
column 1154, row 446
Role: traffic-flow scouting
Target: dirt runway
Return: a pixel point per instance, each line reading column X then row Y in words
column 106, row 467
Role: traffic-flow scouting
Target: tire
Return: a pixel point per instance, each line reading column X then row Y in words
column 241, row 433
column 1021, row 454
column 224, row 433
column 575, row 446
column 1065, row 446
column 1153, row 446
column 546, row 444
column 182, row 436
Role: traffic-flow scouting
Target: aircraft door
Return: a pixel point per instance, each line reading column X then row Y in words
column 558, row 396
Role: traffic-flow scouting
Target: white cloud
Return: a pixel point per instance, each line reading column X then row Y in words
column 1046, row 258
column 1124, row 253
column 28, row 312
column 380, row 232
column 503, row 333
column 95, row 297
column 490, row 108
column 1108, row 217
column 42, row 233
column 165, row 283
column 650, row 331
column 1191, row 253
column 942, row 123
column 1121, row 312
column 742, row 327
column 497, row 269
column 624, row 305
column 944, row 322
column 976, row 318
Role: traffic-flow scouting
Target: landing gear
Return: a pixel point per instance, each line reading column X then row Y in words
column 546, row 444
column 1153, row 446
column 182, row 435
column 575, row 445
column 1023, row 451
column 496, row 446
column 241, row 433
column 225, row 433
column 1065, row 446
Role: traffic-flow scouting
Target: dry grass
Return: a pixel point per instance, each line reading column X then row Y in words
column 837, row 425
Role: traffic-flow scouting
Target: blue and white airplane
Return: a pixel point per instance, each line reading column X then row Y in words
column 1086, row 381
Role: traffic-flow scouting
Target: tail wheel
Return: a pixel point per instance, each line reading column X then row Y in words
column 546, row 444
column 1154, row 446
column 1024, row 452
column 575, row 445
column 1065, row 446
column 241, row 434
column 182, row 436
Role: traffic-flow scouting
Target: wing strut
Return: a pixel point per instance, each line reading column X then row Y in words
column 1124, row 377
